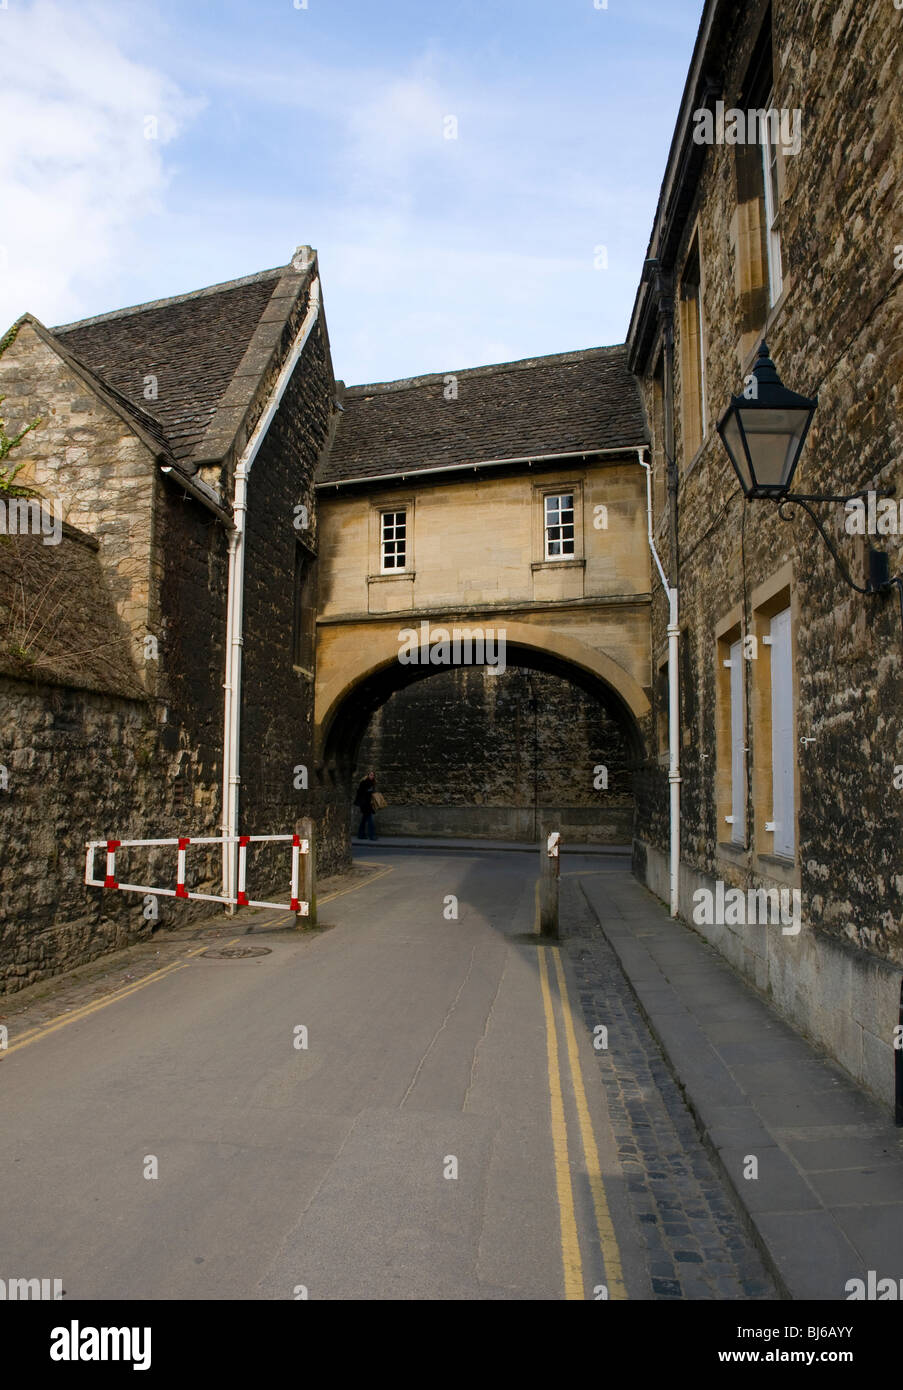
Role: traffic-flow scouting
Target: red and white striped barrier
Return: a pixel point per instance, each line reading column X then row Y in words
column 110, row 848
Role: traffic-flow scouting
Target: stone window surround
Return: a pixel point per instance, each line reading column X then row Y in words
column 540, row 492
column 390, row 503
column 728, row 630
column 393, row 540
column 567, row 544
column 773, row 212
column 748, row 343
column 770, row 597
column 750, row 235
column 776, row 311
column 746, row 366
column 303, row 554
column 684, row 319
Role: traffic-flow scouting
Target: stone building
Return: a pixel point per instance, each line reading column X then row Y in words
column 507, row 503
column 502, row 500
column 792, row 686
column 113, row 644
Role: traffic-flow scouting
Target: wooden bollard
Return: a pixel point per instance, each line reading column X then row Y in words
column 308, row 883
column 548, row 884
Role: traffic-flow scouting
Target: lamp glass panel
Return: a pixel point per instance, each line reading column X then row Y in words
column 734, row 443
column 773, row 438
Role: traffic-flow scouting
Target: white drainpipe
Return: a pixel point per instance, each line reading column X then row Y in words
column 236, row 593
column 673, row 700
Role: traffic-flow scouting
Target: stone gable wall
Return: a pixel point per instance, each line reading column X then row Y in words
column 86, row 458
column 145, row 760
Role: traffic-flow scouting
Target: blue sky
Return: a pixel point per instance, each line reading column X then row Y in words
column 153, row 148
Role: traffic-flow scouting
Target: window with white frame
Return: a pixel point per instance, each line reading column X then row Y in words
column 783, row 750
column 393, row 541
column 772, row 235
column 559, row 526
column 738, row 747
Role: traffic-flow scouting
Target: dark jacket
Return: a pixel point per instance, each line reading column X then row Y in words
column 364, row 798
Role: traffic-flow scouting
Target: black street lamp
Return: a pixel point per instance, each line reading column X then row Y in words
column 764, row 431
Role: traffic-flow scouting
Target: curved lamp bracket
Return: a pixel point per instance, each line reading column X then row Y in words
column 791, row 501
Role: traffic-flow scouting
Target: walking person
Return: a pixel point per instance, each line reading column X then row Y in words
column 364, row 800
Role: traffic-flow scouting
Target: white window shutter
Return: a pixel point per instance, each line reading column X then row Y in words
column 783, row 761
column 738, row 760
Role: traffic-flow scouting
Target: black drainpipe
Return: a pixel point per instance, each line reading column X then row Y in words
column 665, row 293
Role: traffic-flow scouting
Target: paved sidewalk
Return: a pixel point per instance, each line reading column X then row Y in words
column 827, row 1205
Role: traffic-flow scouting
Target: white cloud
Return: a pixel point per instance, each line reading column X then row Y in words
column 397, row 308
column 77, row 169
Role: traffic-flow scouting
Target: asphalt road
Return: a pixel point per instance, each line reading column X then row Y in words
column 443, row 1132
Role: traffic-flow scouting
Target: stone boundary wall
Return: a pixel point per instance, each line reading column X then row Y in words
column 82, row 765
column 577, row 825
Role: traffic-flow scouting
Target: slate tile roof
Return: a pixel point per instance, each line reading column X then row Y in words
column 193, row 344
column 568, row 403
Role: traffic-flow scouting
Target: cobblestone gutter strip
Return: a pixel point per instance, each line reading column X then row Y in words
column 697, row 1245
column 826, row 1205
column 825, row 1200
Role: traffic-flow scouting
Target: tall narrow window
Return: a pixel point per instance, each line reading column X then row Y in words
column 783, row 762
column 692, row 356
column 738, row 748
column 393, row 541
column 305, row 615
column 772, row 205
column 760, row 271
column 730, row 732
column 559, row 525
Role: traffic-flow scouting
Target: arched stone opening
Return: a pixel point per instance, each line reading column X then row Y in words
column 622, row 708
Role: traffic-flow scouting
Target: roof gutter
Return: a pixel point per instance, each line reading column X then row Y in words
column 528, row 460
column 235, row 601
column 203, row 492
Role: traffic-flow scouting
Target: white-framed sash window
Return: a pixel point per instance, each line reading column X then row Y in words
column 393, row 543
column 738, row 748
column 559, row 525
column 783, row 749
column 772, row 206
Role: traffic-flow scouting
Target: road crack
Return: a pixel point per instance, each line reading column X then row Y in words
column 442, row 1026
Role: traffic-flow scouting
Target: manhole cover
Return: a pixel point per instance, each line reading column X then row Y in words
column 237, row 952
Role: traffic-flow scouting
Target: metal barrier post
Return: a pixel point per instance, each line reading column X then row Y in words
column 548, row 885
column 309, row 873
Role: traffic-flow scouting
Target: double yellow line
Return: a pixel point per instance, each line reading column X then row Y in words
column 87, row 1009
column 570, row 1241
